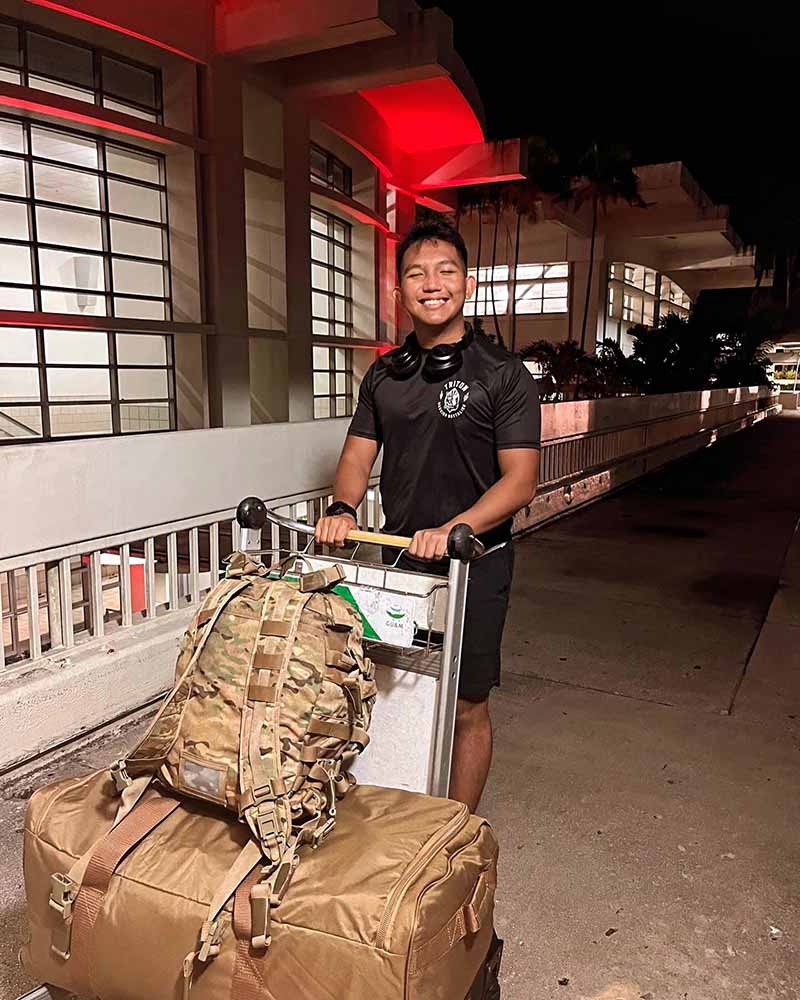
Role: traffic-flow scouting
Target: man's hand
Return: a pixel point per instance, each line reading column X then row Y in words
column 430, row 543
column 334, row 530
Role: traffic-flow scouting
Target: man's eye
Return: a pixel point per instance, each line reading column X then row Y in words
column 448, row 272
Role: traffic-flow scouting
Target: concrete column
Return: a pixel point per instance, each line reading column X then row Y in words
column 405, row 217
column 297, row 200
column 578, row 255
column 228, row 354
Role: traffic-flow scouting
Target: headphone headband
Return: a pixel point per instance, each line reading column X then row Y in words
column 440, row 361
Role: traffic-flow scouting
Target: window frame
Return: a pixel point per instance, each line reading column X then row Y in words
column 331, row 160
column 332, row 371
column 107, row 254
column 97, row 55
column 114, row 401
column 333, row 269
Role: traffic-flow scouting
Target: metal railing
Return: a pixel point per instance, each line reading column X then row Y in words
column 62, row 595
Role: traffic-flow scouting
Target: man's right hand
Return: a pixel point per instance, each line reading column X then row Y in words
column 334, row 530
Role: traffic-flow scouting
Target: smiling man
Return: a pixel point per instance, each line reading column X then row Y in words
column 459, row 422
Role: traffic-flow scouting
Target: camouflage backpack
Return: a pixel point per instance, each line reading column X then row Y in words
column 271, row 705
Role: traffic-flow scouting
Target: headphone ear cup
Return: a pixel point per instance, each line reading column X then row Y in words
column 444, row 360
column 403, row 361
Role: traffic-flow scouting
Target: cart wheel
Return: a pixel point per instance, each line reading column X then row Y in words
column 462, row 543
column 252, row 513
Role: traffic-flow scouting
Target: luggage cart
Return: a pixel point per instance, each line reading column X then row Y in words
column 413, row 621
column 436, row 604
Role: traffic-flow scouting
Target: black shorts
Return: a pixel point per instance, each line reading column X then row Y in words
column 487, row 603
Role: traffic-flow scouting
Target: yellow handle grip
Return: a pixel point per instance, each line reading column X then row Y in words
column 377, row 538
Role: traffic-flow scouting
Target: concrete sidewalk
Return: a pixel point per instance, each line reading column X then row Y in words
column 645, row 787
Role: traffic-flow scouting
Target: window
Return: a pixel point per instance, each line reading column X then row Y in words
column 673, row 298
column 632, row 293
column 540, row 288
column 34, row 58
column 330, row 171
column 70, row 383
column 331, row 276
column 82, row 225
column 333, row 382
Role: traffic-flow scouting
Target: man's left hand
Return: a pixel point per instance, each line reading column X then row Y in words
column 430, row 543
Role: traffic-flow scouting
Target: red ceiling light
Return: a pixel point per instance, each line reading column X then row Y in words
column 81, row 16
column 426, row 114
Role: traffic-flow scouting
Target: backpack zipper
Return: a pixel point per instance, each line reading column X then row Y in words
column 428, row 850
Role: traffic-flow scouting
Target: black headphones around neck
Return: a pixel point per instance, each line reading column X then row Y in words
column 440, row 361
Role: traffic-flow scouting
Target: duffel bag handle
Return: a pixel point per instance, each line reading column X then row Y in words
column 474, row 912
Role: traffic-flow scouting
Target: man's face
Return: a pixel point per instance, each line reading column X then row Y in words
column 433, row 283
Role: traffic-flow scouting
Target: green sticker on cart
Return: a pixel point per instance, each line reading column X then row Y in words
column 387, row 617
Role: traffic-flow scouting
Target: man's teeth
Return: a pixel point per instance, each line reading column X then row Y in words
column 432, row 303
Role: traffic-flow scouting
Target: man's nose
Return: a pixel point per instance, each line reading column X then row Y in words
column 431, row 283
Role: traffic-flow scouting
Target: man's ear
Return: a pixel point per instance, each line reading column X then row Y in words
column 398, row 296
column 471, row 285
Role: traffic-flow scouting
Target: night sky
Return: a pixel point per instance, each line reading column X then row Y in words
column 712, row 84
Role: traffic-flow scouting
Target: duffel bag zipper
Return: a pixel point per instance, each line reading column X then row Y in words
column 428, row 851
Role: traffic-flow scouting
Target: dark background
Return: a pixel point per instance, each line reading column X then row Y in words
column 709, row 83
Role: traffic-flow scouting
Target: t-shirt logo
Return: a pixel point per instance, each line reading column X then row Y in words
column 453, row 399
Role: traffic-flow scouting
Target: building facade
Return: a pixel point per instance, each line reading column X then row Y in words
column 198, row 211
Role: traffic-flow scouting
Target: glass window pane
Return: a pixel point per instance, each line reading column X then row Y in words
column 128, row 109
column 13, row 220
column 57, row 58
column 341, row 383
column 138, row 278
column 555, row 305
column 342, row 407
column 21, row 421
column 320, row 305
column 341, row 330
column 320, row 277
column 342, row 359
column 320, row 328
column 16, row 298
column 322, row 407
column 555, row 289
column 17, row 344
column 71, row 270
column 70, row 229
column 76, row 347
column 63, row 89
column 139, row 309
column 322, row 383
column 321, row 357
column 64, row 147
column 74, row 302
column 65, row 186
column 19, row 385
column 142, row 383
column 12, row 137
column 10, row 75
column 70, row 421
column 9, row 45
column 15, row 264
column 319, row 163
column 12, row 177
column 319, row 223
column 144, row 417
column 556, row 271
column 132, row 164
column 340, row 258
column 320, row 250
column 78, row 383
column 141, row 349
column 129, row 82
column 340, row 310
column 133, row 200
column 136, row 239
column 340, row 232
column 340, row 283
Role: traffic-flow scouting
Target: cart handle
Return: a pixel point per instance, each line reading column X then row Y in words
column 252, row 514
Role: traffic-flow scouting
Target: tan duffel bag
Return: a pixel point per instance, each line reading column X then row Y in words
column 399, row 903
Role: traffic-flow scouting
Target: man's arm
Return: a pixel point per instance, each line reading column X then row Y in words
column 519, row 475
column 352, row 478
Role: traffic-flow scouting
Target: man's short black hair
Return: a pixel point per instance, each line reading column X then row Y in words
column 432, row 229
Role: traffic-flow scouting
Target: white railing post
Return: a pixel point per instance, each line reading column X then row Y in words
column 150, row 577
column 67, row 627
column 96, row 608
column 213, row 551
column 172, row 570
column 125, row 585
column 34, row 630
column 194, row 565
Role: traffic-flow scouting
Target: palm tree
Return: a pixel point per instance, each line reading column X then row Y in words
column 603, row 174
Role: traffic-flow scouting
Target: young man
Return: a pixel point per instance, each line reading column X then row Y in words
column 459, row 422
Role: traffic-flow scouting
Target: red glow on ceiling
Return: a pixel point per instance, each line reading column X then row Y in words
column 41, row 108
column 488, row 179
column 62, row 9
column 426, row 114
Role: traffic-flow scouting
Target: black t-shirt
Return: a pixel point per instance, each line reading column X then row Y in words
column 440, row 439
